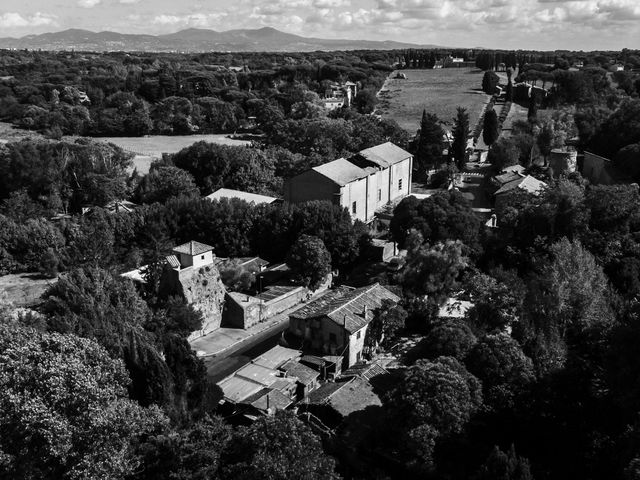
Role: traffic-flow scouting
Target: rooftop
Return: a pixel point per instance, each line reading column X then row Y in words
column 454, row 308
column 385, row 155
column 192, row 248
column 268, row 398
column 247, row 197
column 277, row 356
column 304, row 374
column 346, row 397
column 346, row 305
column 341, row 171
column 528, row 184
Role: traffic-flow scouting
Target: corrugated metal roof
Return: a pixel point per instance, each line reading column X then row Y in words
column 257, row 373
column 246, row 196
column 341, row 171
column 236, row 389
column 385, row 155
column 345, row 306
column 173, row 261
column 275, row 357
column 192, row 248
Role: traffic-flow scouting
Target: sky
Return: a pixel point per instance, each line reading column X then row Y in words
column 509, row 24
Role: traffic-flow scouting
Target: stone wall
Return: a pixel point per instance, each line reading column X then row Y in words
column 202, row 288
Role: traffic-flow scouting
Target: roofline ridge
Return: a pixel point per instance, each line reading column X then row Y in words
column 368, row 287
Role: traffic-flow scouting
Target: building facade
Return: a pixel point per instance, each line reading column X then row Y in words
column 363, row 184
column 336, row 324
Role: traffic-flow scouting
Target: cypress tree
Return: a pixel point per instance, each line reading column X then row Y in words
column 490, row 131
column 430, row 143
column 460, row 136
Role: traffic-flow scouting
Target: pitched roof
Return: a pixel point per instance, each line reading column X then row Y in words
column 528, row 184
column 345, row 306
column 365, row 370
column 304, row 374
column 507, row 177
column 246, row 196
column 192, row 248
column 346, row 397
column 341, row 171
column 268, row 396
column 385, row 155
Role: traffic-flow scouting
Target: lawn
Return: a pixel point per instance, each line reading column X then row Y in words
column 152, row 147
column 438, row 91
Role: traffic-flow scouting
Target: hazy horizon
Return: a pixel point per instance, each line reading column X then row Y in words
column 516, row 24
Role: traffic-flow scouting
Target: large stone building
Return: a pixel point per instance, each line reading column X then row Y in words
column 336, row 324
column 363, row 184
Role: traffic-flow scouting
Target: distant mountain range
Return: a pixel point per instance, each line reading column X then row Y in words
column 195, row 40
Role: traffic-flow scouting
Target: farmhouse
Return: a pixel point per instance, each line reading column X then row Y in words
column 517, row 182
column 363, row 184
column 336, row 323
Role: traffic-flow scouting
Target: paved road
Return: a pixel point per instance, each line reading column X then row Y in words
column 242, row 353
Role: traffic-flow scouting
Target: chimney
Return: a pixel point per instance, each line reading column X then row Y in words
column 365, row 311
column 268, row 402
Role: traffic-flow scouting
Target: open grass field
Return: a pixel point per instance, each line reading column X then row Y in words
column 438, row 91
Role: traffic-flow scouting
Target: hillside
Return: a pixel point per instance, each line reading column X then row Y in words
column 194, row 40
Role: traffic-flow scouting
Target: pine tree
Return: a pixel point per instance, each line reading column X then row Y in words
column 532, row 114
column 490, row 130
column 460, row 136
column 430, row 143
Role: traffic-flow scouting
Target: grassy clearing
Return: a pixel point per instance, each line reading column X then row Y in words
column 438, row 91
column 23, row 289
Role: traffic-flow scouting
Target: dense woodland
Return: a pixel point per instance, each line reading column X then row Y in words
column 539, row 380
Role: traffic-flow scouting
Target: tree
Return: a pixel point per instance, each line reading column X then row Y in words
column 309, row 261
column 365, row 101
column 449, row 338
column 433, row 271
column 191, row 453
column 430, row 143
column 499, row 362
column 277, row 447
column 504, row 466
column 64, row 409
column 388, row 320
column 460, row 138
column 164, row 182
column 490, row 81
column 440, row 217
column 490, row 129
column 532, row 113
column 503, row 154
column 434, row 399
column 628, row 160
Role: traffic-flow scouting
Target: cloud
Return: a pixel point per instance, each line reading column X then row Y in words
column 16, row 20
column 199, row 20
column 88, row 3
column 126, row 2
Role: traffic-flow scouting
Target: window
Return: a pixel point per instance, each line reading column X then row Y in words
column 379, row 194
column 354, row 208
column 400, row 184
column 202, row 257
column 358, row 334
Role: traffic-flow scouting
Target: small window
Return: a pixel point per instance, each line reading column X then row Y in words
column 202, row 257
column 354, row 208
column 358, row 335
column 379, row 194
column 400, row 184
